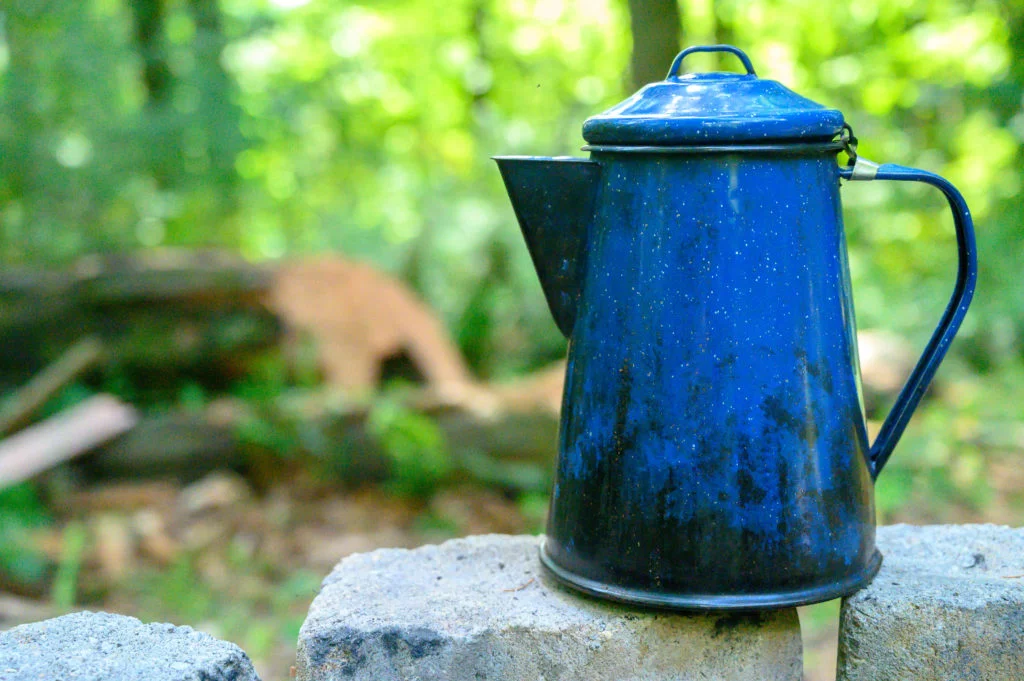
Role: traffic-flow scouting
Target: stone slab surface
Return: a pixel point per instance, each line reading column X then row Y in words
column 481, row 608
column 948, row 603
column 89, row 646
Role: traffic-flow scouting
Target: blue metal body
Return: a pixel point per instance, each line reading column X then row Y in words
column 713, row 451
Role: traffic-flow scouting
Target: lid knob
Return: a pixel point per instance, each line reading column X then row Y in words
column 740, row 54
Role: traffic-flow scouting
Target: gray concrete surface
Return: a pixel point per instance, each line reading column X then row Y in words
column 87, row 646
column 948, row 603
column 482, row 609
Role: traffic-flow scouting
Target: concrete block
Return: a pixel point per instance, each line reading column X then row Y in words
column 88, row 646
column 948, row 603
column 481, row 608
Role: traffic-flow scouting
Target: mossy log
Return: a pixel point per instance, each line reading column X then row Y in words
column 157, row 312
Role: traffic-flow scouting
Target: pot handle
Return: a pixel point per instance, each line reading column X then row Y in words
column 963, row 291
column 740, row 54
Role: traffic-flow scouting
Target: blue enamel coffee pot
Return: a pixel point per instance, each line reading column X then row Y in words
column 713, row 451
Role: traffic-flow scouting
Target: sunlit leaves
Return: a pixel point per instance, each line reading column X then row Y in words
column 366, row 127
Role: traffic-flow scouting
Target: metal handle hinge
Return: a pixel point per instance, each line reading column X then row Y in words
column 858, row 168
column 863, row 169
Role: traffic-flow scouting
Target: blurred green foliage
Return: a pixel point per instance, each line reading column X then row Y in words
column 288, row 126
column 21, row 513
column 415, row 446
column 64, row 590
column 248, row 612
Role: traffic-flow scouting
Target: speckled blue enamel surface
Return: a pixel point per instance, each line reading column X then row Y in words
column 712, row 436
column 712, row 108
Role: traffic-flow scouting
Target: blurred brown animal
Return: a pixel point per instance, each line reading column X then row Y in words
column 360, row 319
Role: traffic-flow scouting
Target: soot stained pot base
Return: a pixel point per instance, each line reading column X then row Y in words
column 699, row 602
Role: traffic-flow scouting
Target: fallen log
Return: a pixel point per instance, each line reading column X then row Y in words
column 158, row 314
column 183, row 445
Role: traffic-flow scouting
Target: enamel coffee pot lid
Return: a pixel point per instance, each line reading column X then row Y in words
column 718, row 108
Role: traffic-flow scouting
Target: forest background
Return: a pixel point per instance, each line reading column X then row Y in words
column 283, row 128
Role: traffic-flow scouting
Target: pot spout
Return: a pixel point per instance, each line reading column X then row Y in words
column 553, row 199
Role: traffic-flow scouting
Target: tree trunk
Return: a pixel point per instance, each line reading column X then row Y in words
column 149, row 26
column 657, row 34
column 218, row 117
